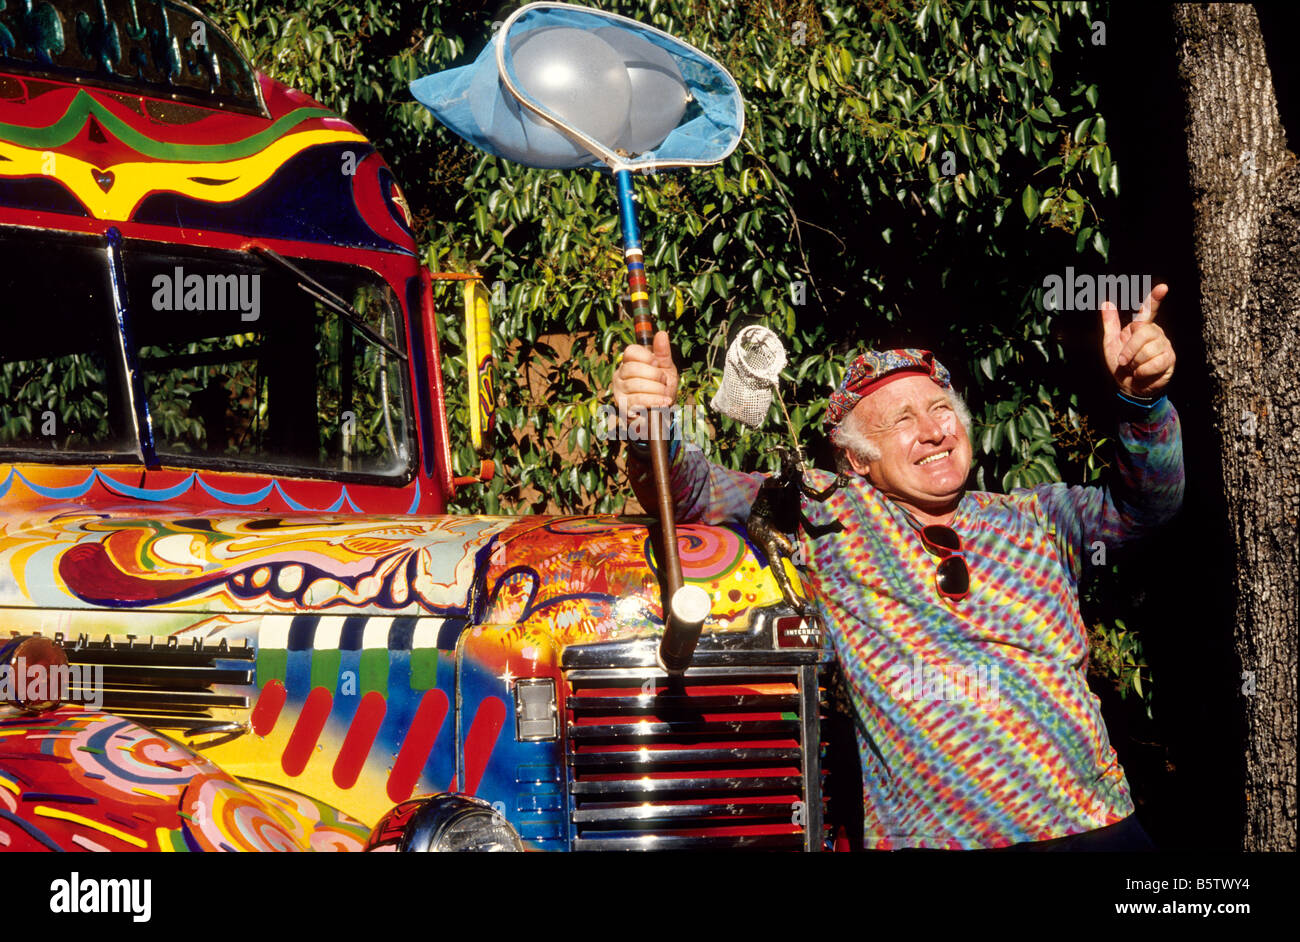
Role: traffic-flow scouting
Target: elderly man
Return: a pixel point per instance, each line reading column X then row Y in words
column 955, row 613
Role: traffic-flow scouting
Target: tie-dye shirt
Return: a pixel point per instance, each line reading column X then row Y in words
column 977, row 727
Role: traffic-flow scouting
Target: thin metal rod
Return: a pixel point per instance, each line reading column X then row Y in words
column 137, row 398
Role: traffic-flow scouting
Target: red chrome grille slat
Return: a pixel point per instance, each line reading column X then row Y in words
column 714, row 760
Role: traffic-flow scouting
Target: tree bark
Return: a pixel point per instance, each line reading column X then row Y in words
column 1246, row 190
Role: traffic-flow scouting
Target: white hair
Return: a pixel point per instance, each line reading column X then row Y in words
column 849, row 438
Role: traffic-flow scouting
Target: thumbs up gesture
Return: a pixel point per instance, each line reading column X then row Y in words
column 1139, row 356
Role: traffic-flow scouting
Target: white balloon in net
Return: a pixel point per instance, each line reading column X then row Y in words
column 754, row 363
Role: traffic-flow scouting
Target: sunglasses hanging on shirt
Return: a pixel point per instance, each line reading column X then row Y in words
column 953, row 577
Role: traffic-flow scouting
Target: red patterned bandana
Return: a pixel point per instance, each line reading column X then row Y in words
column 872, row 369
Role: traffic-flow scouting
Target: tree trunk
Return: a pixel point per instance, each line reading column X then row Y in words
column 1246, row 190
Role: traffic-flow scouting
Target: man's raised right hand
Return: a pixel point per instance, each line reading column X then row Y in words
column 645, row 378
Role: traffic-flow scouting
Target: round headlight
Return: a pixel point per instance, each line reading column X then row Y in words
column 458, row 823
column 478, row 831
column 33, row 673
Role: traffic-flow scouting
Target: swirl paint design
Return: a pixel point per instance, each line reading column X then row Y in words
column 580, row 579
column 277, row 564
column 74, row 780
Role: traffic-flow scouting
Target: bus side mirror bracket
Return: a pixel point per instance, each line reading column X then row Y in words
column 480, row 369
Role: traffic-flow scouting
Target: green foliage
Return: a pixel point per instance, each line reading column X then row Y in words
column 68, row 389
column 1116, row 655
column 910, row 172
column 943, row 124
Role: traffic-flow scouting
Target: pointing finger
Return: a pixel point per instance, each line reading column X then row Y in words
column 1109, row 323
column 1151, row 304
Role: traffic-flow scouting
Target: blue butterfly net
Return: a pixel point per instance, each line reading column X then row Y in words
column 598, row 57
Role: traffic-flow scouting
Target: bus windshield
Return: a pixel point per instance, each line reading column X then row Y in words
column 62, row 393
column 241, row 367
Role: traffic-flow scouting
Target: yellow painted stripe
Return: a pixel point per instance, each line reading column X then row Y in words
column 18, row 564
column 149, row 794
column 47, row 812
column 134, row 180
column 640, row 296
column 10, row 784
column 165, row 841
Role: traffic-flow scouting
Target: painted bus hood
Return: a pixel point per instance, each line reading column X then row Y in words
column 575, row 579
column 382, row 648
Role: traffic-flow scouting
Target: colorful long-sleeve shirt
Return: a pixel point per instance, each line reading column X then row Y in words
column 976, row 725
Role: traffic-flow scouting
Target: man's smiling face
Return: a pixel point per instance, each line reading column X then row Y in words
column 925, row 451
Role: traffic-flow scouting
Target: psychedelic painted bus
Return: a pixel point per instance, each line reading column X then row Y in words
column 234, row 611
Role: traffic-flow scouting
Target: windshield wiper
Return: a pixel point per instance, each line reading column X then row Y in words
column 328, row 298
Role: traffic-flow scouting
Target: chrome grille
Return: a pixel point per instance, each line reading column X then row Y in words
column 164, row 683
column 716, row 759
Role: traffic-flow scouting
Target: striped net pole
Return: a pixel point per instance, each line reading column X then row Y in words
column 683, row 616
